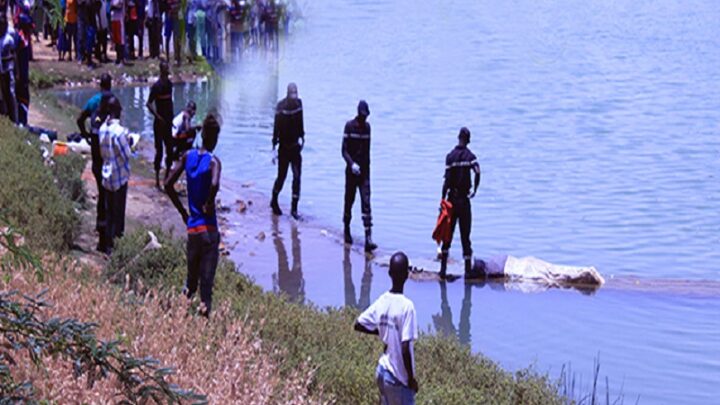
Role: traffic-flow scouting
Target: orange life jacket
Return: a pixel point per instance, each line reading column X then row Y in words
column 442, row 232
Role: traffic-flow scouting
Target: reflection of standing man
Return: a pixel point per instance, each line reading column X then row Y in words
column 459, row 165
column 365, row 283
column 356, row 152
column 289, row 132
column 289, row 281
column 443, row 322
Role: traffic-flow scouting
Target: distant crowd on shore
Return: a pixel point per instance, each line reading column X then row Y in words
column 181, row 30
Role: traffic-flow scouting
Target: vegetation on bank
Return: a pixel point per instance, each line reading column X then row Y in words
column 40, row 200
column 49, row 74
column 345, row 362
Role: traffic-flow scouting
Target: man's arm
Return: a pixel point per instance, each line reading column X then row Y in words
column 302, row 125
column 170, row 187
column 476, row 169
column 276, row 128
column 151, row 106
column 84, row 115
column 408, row 362
column 215, row 169
column 361, row 328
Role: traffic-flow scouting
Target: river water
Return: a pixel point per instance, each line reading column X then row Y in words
column 596, row 127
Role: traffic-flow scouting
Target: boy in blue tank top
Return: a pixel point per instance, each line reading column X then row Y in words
column 202, row 170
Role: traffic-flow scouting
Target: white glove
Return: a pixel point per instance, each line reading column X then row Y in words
column 355, row 169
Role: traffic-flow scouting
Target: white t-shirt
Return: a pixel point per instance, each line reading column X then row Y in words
column 393, row 316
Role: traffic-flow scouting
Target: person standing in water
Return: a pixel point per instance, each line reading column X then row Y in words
column 202, row 169
column 356, row 152
column 392, row 317
column 289, row 132
column 160, row 105
column 460, row 164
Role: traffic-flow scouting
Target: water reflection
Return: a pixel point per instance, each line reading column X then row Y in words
column 443, row 321
column 365, row 282
column 288, row 280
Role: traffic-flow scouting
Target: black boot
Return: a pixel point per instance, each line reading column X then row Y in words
column 294, row 209
column 369, row 244
column 443, row 265
column 470, row 273
column 348, row 235
column 274, row 204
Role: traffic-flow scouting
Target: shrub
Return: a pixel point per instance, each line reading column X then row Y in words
column 29, row 197
column 68, row 174
column 448, row 372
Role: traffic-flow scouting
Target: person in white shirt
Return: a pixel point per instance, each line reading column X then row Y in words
column 392, row 317
column 184, row 130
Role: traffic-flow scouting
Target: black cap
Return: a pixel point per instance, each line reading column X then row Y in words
column 464, row 133
column 363, row 108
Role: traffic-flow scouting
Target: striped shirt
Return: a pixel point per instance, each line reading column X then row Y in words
column 115, row 151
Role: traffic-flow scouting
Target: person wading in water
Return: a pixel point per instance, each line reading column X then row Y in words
column 289, row 132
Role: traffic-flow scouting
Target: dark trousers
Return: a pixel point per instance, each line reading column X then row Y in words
column 289, row 159
column 155, row 36
column 141, row 38
column 462, row 213
column 22, row 88
column 352, row 184
column 192, row 41
column 102, row 42
column 115, row 202
column 132, row 30
column 163, row 137
column 202, row 259
column 97, row 162
column 8, row 107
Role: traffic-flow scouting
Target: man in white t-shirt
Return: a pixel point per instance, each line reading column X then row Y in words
column 392, row 318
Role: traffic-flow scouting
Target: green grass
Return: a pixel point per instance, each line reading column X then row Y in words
column 345, row 360
column 35, row 198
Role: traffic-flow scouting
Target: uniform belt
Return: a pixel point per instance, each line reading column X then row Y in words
column 462, row 164
column 201, row 229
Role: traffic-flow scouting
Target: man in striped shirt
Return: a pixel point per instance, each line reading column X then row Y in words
column 460, row 164
column 115, row 151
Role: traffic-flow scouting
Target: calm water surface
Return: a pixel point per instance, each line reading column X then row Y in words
column 596, row 125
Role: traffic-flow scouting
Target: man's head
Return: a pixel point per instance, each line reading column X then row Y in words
column 464, row 136
column 191, row 108
column 292, row 91
column 105, row 82
column 363, row 110
column 114, row 108
column 164, row 69
column 210, row 132
column 398, row 270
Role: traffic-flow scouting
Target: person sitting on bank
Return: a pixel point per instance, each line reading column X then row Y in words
column 115, row 149
column 184, row 129
column 392, row 317
column 202, row 169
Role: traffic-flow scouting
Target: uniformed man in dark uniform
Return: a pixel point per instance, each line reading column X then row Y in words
column 356, row 152
column 289, row 132
column 460, row 163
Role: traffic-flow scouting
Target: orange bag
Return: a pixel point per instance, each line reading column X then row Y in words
column 441, row 233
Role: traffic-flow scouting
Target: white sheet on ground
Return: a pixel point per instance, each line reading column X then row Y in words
column 533, row 270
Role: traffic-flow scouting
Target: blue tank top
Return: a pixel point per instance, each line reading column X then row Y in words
column 199, row 181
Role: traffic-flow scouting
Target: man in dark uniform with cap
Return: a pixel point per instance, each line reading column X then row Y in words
column 460, row 163
column 289, row 132
column 356, row 152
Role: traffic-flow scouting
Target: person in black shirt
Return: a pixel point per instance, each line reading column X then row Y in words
column 356, row 152
column 160, row 105
column 289, row 132
column 460, row 163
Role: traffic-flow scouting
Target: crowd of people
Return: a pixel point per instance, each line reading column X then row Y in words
column 86, row 30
